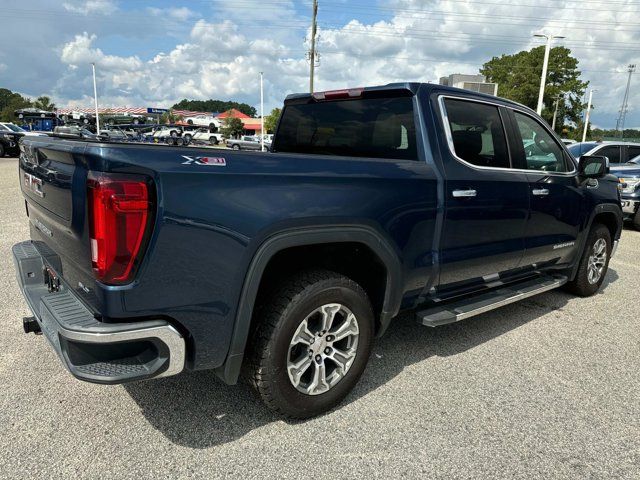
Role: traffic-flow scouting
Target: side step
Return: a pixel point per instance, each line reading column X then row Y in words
column 484, row 302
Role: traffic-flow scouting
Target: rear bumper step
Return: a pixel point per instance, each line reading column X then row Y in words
column 92, row 350
column 477, row 304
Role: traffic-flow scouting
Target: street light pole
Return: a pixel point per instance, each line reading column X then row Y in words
column 545, row 66
column 95, row 98
column 261, row 113
column 586, row 117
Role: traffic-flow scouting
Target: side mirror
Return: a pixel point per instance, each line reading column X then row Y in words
column 593, row 166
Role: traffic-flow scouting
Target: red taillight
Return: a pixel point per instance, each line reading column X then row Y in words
column 119, row 212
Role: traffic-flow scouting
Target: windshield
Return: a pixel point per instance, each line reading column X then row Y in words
column 14, row 128
column 578, row 149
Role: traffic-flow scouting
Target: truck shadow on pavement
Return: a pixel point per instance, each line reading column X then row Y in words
column 197, row 410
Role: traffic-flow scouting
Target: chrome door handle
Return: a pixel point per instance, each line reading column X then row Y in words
column 540, row 191
column 464, row 193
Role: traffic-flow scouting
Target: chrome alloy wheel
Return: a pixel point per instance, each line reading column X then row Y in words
column 322, row 349
column 597, row 261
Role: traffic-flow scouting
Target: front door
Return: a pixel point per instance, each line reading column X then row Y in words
column 486, row 201
column 555, row 196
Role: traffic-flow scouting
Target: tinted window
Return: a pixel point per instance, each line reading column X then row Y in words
column 611, row 152
column 633, row 152
column 577, row 149
column 375, row 127
column 477, row 133
column 541, row 150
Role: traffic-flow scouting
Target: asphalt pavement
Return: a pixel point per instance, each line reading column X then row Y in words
column 547, row 388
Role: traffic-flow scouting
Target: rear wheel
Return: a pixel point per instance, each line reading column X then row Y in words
column 593, row 263
column 636, row 220
column 311, row 344
column 213, row 140
column 236, row 147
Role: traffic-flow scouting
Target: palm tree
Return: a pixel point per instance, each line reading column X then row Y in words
column 44, row 103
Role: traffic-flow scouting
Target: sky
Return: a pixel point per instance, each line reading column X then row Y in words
column 155, row 53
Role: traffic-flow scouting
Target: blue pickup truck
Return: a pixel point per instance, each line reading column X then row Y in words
column 283, row 267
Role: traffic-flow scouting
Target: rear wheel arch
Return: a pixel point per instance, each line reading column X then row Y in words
column 320, row 237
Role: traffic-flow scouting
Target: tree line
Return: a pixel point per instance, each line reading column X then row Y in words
column 11, row 101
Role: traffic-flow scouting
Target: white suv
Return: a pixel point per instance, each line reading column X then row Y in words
column 204, row 120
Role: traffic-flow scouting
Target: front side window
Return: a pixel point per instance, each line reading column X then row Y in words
column 541, row 150
column 634, row 152
column 363, row 127
column 477, row 133
column 612, row 152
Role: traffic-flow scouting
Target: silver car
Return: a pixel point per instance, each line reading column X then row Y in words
column 247, row 142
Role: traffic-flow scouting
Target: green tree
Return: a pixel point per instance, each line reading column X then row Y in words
column 9, row 103
column 232, row 127
column 212, row 105
column 271, row 120
column 518, row 79
column 170, row 117
column 44, row 103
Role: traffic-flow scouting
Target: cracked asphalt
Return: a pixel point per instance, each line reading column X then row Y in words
column 547, row 388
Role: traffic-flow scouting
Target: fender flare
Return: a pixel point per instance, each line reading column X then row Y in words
column 229, row 371
column 598, row 210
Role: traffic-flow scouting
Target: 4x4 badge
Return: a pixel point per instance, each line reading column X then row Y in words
column 210, row 161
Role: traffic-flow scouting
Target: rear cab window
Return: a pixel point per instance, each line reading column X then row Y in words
column 359, row 127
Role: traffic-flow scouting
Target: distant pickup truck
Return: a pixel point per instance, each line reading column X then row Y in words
column 247, row 142
column 145, row 260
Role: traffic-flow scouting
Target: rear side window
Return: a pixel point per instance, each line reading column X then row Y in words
column 477, row 133
column 633, row 152
column 541, row 151
column 373, row 127
column 612, row 153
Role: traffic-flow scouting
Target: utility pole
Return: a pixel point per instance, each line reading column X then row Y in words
column 545, row 65
column 95, row 98
column 261, row 114
column 587, row 115
column 555, row 113
column 623, row 109
column 312, row 52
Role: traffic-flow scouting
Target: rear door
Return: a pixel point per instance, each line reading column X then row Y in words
column 486, row 201
column 554, row 194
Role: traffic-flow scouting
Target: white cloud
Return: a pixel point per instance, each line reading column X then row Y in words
column 86, row 7
column 400, row 40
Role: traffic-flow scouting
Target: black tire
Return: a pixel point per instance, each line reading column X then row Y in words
column 173, row 133
column 190, row 122
column 235, row 147
column 187, row 139
column 280, row 317
column 2, row 150
column 581, row 285
column 636, row 220
column 213, row 140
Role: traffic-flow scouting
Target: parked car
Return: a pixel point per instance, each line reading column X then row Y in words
column 9, row 141
column 122, row 119
column 247, row 142
column 162, row 132
column 629, row 175
column 204, row 135
column 618, row 153
column 285, row 266
column 11, row 127
column 204, row 121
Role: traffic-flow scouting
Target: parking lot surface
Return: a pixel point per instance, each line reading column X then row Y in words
column 547, row 388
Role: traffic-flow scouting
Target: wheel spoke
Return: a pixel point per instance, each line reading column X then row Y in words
column 318, row 383
column 303, row 335
column 297, row 369
column 348, row 327
column 328, row 315
column 342, row 359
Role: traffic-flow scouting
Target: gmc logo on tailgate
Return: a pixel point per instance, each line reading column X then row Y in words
column 33, row 184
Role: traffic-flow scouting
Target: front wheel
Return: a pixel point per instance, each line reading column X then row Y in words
column 311, row 343
column 593, row 263
column 236, row 147
column 213, row 141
